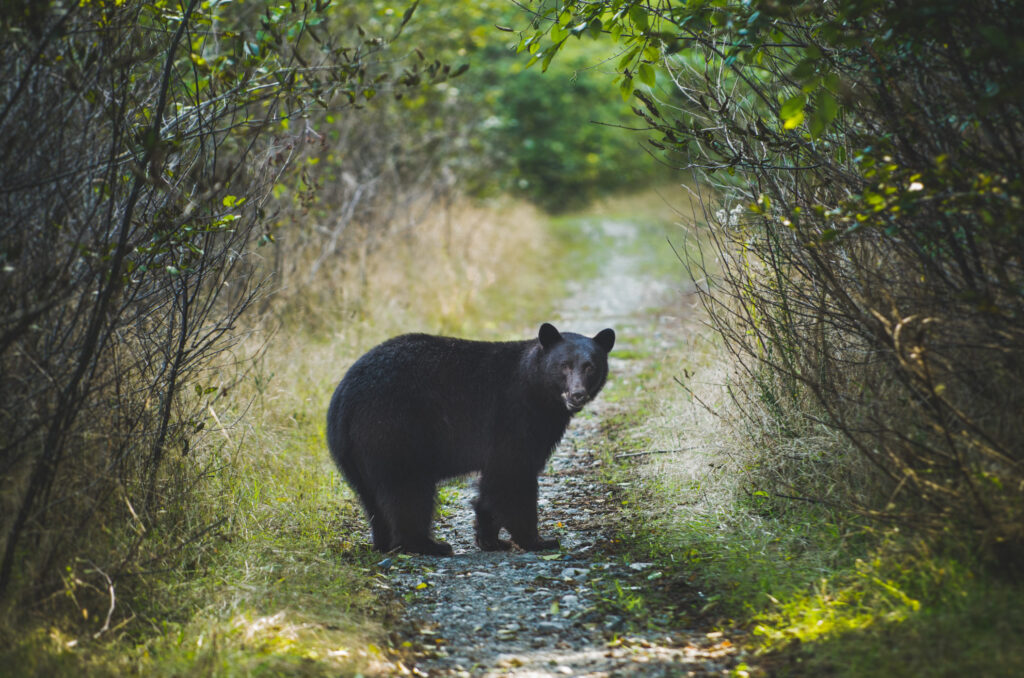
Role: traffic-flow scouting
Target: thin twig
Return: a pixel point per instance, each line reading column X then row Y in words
column 113, row 602
column 626, row 455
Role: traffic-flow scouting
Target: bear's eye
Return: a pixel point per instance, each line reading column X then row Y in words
column 588, row 368
column 566, row 366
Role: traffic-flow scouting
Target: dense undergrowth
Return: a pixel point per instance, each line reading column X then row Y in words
column 867, row 234
column 847, row 485
column 804, row 586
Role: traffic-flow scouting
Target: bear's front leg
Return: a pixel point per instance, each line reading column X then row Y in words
column 487, row 528
column 511, row 501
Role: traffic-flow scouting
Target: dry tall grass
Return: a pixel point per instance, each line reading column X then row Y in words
column 463, row 269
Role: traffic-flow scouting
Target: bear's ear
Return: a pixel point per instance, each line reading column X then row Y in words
column 548, row 335
column 605, row 339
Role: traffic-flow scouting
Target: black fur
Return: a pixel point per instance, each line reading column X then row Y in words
column 418, row 409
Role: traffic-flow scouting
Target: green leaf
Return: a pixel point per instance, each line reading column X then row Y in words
column 638, row 15
column 828, row 107
column 805, row 69
column 549, row 54
column 627, row 58
column 646, row 74
column 825, row 110
column 626, row 88
column 792, row 106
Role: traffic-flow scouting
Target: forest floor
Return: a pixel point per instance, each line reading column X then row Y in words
column 570, row 611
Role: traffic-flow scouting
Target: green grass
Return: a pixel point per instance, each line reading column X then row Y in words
column 286, row 585
column 976, row 634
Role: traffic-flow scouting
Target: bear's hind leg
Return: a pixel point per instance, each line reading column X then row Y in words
column 409, row 509
column 380, row 528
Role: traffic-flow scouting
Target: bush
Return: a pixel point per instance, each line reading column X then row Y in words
column 141, row 141
column 868, row 155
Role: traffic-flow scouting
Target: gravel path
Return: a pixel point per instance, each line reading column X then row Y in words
column 530, row 614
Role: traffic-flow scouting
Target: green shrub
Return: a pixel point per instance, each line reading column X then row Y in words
column 868, row 155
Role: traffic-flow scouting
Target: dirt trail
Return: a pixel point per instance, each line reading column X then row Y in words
column 528, row 614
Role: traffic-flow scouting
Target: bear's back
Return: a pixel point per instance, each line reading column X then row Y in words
column 431, row 366
column 425, row 401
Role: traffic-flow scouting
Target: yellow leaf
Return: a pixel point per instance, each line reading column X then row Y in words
column 794, row 121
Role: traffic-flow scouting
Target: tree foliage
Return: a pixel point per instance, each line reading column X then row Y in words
column 874, row 260
column 140, row 142
column 561, row 137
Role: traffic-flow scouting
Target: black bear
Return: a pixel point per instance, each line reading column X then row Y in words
column 418, row 409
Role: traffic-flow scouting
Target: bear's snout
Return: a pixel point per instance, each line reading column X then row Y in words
column 576, row 399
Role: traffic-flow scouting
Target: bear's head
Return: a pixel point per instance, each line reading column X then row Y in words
column 575, row 366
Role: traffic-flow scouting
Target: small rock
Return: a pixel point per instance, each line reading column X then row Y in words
column 613, row 622
column 577, row 573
